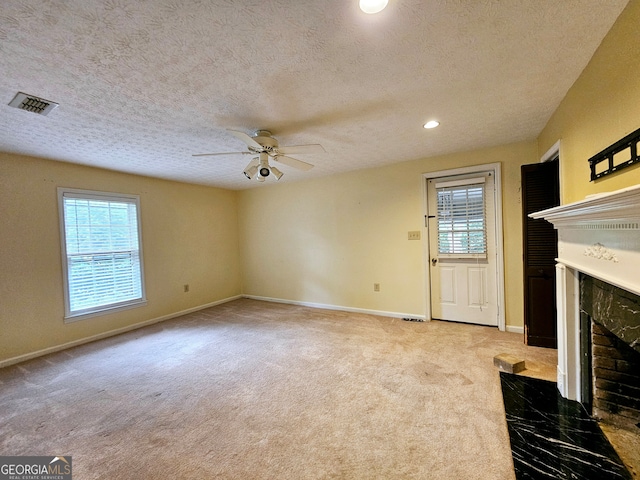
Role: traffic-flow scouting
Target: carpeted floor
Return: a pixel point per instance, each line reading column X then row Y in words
column 255, row 390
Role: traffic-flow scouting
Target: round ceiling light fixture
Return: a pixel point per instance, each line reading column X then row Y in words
column 431, row 124
column 373, row 6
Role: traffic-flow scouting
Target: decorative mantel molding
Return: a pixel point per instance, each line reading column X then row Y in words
column 600, row 252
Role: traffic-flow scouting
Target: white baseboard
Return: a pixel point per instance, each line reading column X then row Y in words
column 110, row 333
column 325, row 306
column 512, row 329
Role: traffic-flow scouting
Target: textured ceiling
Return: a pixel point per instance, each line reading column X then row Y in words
column 142, row 85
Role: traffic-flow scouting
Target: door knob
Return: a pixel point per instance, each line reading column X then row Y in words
column 434, row 261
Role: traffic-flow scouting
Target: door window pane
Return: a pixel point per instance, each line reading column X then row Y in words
column 461, row 221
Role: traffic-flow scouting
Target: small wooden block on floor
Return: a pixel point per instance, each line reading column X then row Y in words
column 508, row 363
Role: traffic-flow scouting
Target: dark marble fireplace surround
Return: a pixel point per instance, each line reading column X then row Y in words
column 610, row 352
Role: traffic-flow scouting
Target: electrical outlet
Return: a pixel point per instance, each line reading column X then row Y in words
column 415, row 235
column 376, row 287
column 186, row 287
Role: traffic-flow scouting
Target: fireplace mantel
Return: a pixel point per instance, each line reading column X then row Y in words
column 598, row 236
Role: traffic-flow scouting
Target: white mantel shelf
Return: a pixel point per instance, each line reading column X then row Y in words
column 619, row 206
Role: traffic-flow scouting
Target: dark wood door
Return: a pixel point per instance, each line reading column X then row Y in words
column 540, row 190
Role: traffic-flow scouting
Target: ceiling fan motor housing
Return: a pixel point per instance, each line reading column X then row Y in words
column 264, row 138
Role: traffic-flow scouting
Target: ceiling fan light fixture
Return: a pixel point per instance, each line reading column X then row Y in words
column 431, row 124
column 251, row 169
column 276, row 173
column 264, row 168
column 250, row 172
column 373, row 6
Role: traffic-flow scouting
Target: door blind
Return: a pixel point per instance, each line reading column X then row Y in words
column 461, row 221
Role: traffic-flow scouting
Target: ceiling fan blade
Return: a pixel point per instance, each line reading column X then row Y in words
column 246, row 139
column 292, row 162
column 299, row 149
column 224, row 153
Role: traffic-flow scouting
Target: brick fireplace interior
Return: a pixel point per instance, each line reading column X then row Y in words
column 610, row 352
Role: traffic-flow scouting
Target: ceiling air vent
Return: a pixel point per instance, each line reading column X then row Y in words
column 31, row 103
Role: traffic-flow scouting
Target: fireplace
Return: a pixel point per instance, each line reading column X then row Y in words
column 598, row 284
column 610, row 352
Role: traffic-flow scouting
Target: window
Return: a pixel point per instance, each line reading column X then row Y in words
column 461, row 219
column 101, row 252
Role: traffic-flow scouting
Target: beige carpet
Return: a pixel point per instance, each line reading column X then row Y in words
column 255, row 390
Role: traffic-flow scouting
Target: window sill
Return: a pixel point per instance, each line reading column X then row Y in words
column 76, row 317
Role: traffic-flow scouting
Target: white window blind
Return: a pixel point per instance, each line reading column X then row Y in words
column 461, row 219
column 101, row 247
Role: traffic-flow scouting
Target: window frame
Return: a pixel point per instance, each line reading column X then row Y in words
column 81, row 314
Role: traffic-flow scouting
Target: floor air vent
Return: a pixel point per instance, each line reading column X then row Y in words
column 31, row 103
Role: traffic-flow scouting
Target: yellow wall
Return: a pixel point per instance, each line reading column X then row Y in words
column 189, row 234
column 600, row 108
column 327, row 241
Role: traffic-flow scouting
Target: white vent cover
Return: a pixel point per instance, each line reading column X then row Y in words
column 31, row 103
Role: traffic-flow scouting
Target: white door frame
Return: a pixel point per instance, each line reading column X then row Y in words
column 491, row 167
column 551, row 154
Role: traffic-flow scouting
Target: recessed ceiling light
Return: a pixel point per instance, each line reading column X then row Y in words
column 373, row 6
column 431, row 124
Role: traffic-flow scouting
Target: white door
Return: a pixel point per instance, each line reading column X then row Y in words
column 462, row 248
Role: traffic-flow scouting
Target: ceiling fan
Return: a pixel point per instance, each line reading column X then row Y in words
column 264, row 146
